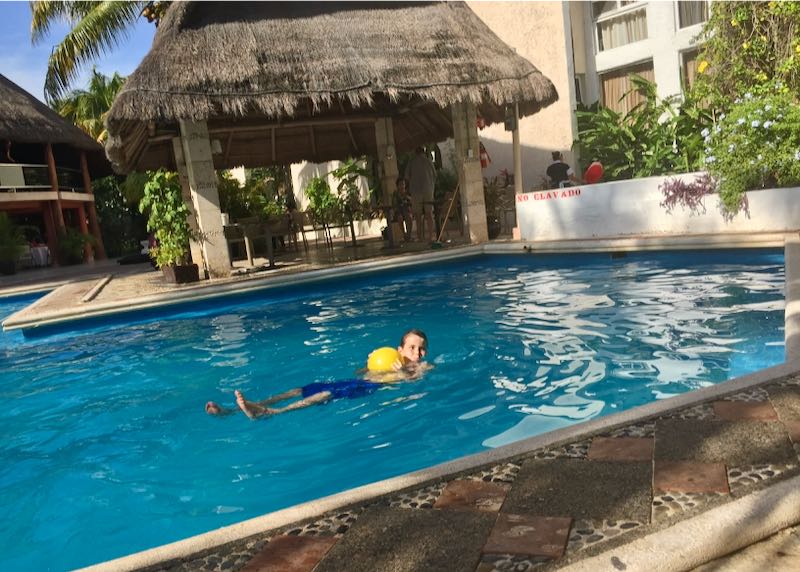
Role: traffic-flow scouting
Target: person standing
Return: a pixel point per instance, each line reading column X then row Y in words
column 421, row 176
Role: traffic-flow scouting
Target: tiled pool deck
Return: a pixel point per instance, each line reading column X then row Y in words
column 582, row 498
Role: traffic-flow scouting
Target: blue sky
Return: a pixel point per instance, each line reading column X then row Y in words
column 26, row 65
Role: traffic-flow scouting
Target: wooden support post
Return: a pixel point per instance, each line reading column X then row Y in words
column 94, row 226
column 53, row 174
column 88, row 253
column 517, row 154
column 387, row 156
column 50, row 230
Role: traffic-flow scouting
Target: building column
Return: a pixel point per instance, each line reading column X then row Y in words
column 205, row 197
column 51, row 170
column 88, row 253
column 195, row 246
column 468, row 168
column 387, row 157
column 100, row 249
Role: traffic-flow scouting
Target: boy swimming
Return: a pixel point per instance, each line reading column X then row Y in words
column 412, row 349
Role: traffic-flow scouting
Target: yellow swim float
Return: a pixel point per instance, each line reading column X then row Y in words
column 381, row 360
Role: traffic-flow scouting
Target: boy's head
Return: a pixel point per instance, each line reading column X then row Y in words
column 400, row 184
column 556, row 155
column 413, row 345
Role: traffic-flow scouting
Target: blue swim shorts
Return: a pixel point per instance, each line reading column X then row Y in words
column 344, row 389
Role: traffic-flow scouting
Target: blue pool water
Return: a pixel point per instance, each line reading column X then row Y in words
column 107, row 450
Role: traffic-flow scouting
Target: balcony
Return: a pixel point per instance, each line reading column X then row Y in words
column 22, row 178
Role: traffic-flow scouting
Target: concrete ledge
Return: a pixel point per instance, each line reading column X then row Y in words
column 713, row 534
column 24, row 319
column 316, row 508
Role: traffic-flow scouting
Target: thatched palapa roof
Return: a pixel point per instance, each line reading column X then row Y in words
column 290, row 81
column 25, row 119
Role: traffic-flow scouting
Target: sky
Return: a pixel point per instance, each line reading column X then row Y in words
column 26, row 65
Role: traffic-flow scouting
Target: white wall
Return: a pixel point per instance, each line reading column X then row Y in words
column 302, row 173
column 539, row 32
column 632, row 208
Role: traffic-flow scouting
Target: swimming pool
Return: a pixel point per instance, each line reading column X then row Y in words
column 107, row 449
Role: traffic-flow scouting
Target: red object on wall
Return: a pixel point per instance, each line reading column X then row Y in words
column 594, row 173
column 485, row 159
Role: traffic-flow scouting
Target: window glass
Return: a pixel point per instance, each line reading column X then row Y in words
column 692, row 12
column 616, row 84
column 689, row 67
column 624, row 29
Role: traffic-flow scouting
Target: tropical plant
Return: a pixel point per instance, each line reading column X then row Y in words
column 351, row 206
column 118, row 214
column 691, row 195
column 12, row 242
column 166, row 218
column 97, row 27
column 749, row 47
column 88, row 108
column 323, row 204
column 71, row 245
column 656, row 137
column 756, row 144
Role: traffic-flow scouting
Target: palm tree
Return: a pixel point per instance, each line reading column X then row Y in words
column 97, row 28
column 88, row 108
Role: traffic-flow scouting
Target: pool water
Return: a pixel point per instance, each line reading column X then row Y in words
column 107, row 450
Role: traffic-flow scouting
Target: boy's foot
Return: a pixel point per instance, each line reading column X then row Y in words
column 252, row 410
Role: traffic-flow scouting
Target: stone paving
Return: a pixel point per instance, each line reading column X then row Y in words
column 552, row 506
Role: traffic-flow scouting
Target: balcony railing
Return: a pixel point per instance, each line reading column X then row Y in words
column 20, row 177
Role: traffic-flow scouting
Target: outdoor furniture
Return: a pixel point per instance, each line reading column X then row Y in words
column 40, row 256
column 247, row 231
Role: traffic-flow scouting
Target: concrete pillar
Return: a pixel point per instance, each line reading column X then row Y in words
column 468, row 167
column 195, row 246
column 205, row 197
column 99, row 248
column 387, row 157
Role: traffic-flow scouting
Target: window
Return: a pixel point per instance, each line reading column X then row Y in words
column 689, row 67
column 619, row 23
column 691, row 12
column 616, row 84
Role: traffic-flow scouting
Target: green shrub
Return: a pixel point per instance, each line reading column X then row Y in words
column 12, row 240
column 755, row 145
column 166, row 218
column 656, row 137
column 71, row 244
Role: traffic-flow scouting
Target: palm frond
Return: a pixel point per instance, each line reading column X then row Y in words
column 98, row 31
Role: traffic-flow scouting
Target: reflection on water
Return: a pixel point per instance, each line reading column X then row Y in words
column 664, row 329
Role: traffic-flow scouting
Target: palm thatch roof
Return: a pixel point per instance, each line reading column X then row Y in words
column 25, row 119
column 288, row 81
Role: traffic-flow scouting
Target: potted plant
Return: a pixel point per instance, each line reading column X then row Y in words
column 12, row 243
column 167, row 220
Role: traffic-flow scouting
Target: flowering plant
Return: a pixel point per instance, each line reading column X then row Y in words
column 755, row 145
